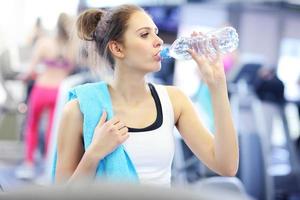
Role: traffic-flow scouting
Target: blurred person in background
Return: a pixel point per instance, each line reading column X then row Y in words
column 268, row 87
column 56, row 55
column 145, row 114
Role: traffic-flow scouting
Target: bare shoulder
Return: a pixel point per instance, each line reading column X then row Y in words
column 70, row 130
column 72, row 117
column 178, row 99
column 175, row 92
column 72, row 110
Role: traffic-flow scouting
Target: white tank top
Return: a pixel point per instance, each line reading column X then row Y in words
column 151, row 149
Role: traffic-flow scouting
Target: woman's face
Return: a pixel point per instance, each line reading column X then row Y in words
column 142, row 44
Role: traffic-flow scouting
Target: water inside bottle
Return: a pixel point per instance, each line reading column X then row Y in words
column 178, row 49
column 226, row 41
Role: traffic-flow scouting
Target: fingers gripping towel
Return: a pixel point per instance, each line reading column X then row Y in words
column 93, row 98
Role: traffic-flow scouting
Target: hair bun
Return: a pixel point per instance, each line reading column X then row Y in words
column 87, row 23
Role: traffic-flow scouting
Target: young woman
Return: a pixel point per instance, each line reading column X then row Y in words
column 145, row 114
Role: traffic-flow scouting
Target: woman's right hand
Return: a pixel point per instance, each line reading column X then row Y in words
column 108, row 135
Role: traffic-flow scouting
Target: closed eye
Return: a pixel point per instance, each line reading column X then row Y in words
column 144, row 35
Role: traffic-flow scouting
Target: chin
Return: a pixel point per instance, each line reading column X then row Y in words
column 157, row 67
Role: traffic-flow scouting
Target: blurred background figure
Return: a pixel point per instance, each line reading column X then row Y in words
column 55, row 55
column 268, row 86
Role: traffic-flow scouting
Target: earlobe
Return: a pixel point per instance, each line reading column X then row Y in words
column 116, row 49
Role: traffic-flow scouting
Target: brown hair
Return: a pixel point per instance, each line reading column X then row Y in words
column 103, row 26
column 64, row 24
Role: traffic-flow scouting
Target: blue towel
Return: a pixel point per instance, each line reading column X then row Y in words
column 93, row 99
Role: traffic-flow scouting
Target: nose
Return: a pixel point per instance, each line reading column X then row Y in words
column 158, row 41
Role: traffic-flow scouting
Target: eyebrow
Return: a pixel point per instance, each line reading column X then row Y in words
column 148, row 28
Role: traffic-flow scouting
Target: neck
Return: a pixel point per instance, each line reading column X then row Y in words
column 129, row 87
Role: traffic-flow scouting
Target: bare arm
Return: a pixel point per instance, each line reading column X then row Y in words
column 226, row 143
column 73, row 163
column 70, row 149
column 219, row 151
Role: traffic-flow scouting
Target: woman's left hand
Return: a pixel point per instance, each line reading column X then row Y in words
column 210, row 65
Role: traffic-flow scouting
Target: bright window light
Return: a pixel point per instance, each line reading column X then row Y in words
column 289, row 68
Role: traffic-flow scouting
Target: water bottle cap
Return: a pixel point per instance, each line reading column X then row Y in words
column 165, row 53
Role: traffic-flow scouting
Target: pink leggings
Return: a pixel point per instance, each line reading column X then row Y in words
column 41, row 99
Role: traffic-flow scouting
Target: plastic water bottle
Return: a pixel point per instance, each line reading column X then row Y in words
column 226, row 38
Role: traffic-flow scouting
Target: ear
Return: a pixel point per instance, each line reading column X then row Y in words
column 116, row 49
